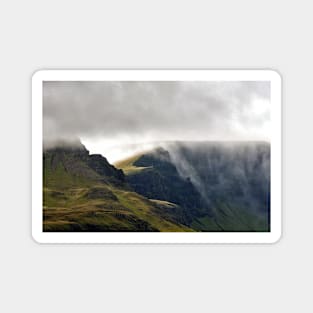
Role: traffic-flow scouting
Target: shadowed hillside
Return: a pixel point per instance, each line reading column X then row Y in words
column 83, row 192
column 181, row 187
column 216, row 186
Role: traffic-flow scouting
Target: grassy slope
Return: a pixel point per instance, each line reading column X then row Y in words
column 78, row 203
column 225, row 219
column 75, row 203
column 128, row 167
column 230, row 219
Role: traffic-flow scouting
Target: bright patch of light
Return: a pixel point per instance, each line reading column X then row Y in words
column 116, row 150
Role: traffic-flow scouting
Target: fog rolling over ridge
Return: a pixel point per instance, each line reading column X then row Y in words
column 239, row 171
column 221, row 186
column 187, row 156
column 111, row 118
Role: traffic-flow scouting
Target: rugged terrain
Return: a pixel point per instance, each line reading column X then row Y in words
column 181, row 186
column 83, row 192
column 220, row 186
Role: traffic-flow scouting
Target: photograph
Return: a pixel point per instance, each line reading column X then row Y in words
column 142, row 156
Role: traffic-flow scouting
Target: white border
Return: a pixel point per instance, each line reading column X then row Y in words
column 156, row 75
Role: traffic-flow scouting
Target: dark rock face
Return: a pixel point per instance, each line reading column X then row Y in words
column 237, row 173
column 76, row 161
column 101, row 166
column 204, row 178
column 72, row 160
column 162, row 181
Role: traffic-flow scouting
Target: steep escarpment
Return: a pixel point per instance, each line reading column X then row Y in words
column 237, row 172
column 216, row 186
column 76, row 164
column 183, row 186
column 83, row 192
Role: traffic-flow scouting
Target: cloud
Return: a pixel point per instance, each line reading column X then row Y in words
column 141, row 112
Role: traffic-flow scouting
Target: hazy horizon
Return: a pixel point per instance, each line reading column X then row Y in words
column 114, row 154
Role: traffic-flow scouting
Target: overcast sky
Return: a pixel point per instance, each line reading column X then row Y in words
column 118, row 118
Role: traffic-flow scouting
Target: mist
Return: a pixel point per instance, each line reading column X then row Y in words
column 239, row 171
column 117, row 119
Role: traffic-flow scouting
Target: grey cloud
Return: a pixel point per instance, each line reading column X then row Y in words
column 155, row 110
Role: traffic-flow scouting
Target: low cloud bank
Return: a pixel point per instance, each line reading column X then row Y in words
column 115, row 114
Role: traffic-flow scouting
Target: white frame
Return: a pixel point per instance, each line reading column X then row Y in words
column 155, row 237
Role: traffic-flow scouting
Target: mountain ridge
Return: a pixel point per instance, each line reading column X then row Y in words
column 83, row 192
column 233, row 180
column 181, row 187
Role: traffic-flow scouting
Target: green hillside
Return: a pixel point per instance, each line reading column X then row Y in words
column 84, row 192
column 194, row 187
